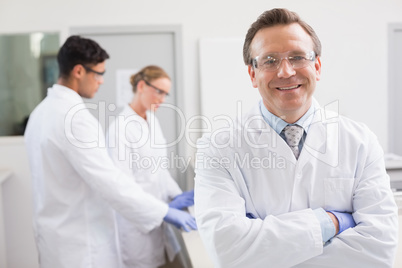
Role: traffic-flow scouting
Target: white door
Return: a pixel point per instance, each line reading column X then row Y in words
column 395, row 88
column 131, row 48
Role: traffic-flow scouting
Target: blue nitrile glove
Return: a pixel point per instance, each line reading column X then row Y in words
column 180, row 219
column 345, row 220
column 250, row 216
column 186, row 199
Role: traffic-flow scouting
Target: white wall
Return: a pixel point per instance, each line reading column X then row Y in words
column 353, row 34
column 17, row 205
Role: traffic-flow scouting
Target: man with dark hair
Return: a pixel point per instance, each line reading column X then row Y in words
column 296, row 185
column 78, row 50
column 76, row 186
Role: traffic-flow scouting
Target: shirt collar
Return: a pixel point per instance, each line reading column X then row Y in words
column 278, row 124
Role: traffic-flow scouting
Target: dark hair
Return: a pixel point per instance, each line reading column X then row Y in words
column 78, row 50
column 149, row 74
column 273, row 17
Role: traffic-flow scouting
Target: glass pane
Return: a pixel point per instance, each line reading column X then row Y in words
column 28, row 66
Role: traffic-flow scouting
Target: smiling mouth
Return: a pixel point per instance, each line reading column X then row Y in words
column 288, row 88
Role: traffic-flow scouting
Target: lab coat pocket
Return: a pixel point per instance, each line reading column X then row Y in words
column 338, row 194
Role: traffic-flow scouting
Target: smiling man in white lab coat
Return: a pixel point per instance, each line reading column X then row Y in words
column 292, row 184
column 75, row 184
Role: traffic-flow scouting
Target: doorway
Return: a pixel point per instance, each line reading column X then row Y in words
column 131, row 48
column 395, row 88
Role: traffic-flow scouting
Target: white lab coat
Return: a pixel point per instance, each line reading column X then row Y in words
column 137, row 146
column 340, row 168
column 76, row 186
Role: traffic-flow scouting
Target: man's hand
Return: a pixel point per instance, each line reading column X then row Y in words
column 342, row 220
column 335, row 221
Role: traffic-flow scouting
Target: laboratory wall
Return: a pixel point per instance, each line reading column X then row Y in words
column 353, row 34
column 17, row 246
column 354, row 37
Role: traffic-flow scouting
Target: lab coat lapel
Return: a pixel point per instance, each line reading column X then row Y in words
column 267, row 137
column 321, row 142
column 322, row 139
column 277, row 145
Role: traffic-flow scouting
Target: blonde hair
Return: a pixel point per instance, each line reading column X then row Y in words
column 148, row 74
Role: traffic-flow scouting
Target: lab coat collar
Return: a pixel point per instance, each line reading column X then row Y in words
column 64, row 93
column 128, row 111
column 278, row 124
column 258, row 133
column 258, row 122
column 323, row 138
column 315, row 145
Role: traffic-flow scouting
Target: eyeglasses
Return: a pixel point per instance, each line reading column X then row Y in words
column 271, row 61
column 158, row 91
column 98, row 75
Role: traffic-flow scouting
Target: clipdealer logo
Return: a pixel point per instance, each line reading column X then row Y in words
column 241, row 161
column 196, row 125
column 230, row 129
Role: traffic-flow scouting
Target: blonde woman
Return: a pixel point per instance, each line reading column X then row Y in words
column 137, row 138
